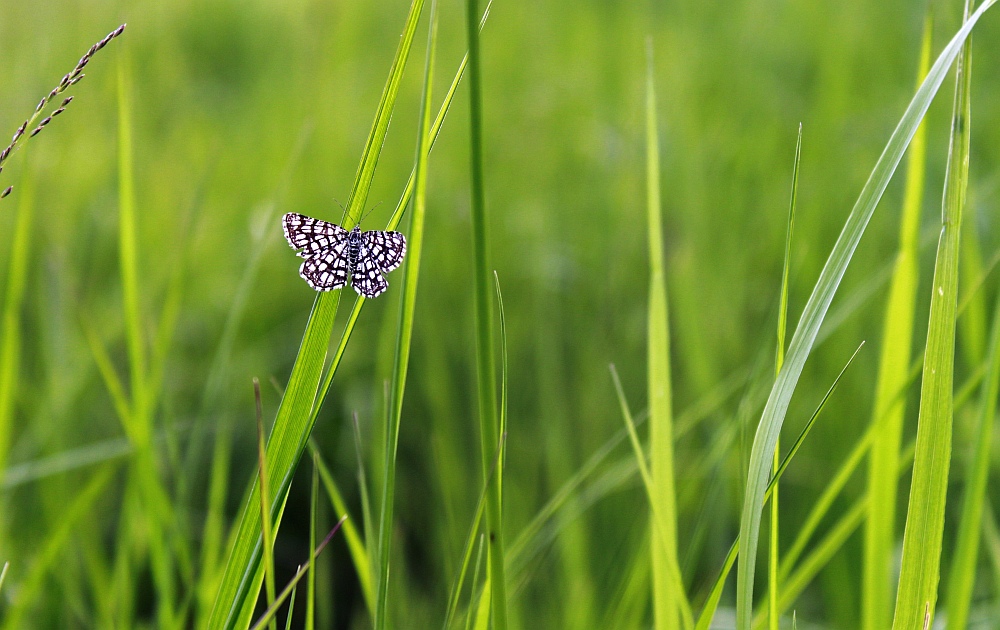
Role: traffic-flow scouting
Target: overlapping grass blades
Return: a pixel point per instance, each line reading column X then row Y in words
column 296, row 414
column 404, row 336
column 670, row 603
column 893, row 377
column 485, row 359
column 916, row 597
column 815, row 311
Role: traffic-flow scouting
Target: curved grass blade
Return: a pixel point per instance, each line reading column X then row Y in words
column 815, row 310
column 242, row 578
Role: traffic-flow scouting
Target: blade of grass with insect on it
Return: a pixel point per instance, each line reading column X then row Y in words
column 55, row 541
column 265, row 501
column 355, row 546
column 669, row 599
column 269, row 614
column 712, row 603
column 485, row 360
column 295, row 418
column 816, row 309
column 393, row 223
column 893, row 371
column 962, row 577
column 919, row 570
column 10, row 333
column 404, row 336
column 773, row 582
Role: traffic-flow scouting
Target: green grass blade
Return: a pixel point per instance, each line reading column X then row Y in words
column 10, row 333
column 485, row 360
column 404, row 337
column 919, row 572
column 961, row 579
column 669, row 598
column 773, row 582
column 814, row 312
column 893, row 376
column 296, row 414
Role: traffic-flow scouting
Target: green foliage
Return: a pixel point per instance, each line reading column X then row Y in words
column 145, row 284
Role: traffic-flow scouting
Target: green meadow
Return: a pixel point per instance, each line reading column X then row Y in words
column 698, row 324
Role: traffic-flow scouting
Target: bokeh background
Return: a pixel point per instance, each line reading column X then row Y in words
column 244, row 110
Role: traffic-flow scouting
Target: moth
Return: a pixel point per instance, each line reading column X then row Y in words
column 335, row 256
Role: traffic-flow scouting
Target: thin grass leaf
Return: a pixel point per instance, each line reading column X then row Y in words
column 485, row 360
column 919, row 571
column 291, row 607
column 272, row 610
column 296, row 414
column 815, row 311
column 404, row 337
column 773, row 582
column 669, row 599
column 3, row 573
column 475, row 579
column 893, row 376
column 962, row 577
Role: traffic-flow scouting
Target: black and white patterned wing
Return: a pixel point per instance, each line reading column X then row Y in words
column 367, row 280
column 310, row 235
column 386, row 248
column 326, row 270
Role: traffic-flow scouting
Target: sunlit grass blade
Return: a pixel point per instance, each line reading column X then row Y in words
column 919, row 571
column 269, row 614
column 3, row 573
column 669, row 598
column 31, row 586
column 404, row 337
column 10, row 327
column 296, row 414
column 815, row 311
column 485, row 360
column 889, row 407
column 773, row 582
column 475, row 580
column 291, row 607
column 712, row 603
column 962, row 576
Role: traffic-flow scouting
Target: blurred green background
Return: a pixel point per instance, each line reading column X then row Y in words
column 246, row 110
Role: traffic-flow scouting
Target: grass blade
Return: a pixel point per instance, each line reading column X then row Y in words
column 669, row 599
column 485, row 360
column 405, row 335
column 265, row 502
column 919, row 572
column 893, row 376
column 815, row 311
column 774, row 582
